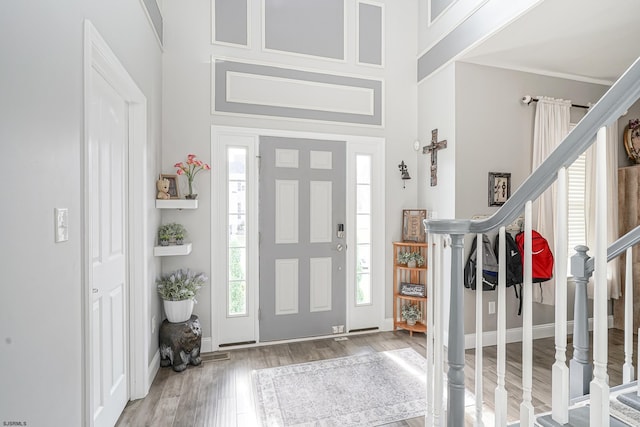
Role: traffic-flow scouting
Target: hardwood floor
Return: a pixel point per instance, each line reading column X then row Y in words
column 219, row 393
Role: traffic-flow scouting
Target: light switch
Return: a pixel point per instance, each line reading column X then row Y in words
column 61, row 224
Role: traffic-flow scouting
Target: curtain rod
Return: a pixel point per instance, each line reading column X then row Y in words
column 529, row 99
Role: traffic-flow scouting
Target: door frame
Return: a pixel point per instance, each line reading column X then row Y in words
column 98, row 57
column 376, row 147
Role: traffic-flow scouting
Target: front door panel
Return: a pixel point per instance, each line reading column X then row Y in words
column 302, row 259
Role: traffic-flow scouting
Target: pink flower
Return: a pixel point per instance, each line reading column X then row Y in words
column 191, row 168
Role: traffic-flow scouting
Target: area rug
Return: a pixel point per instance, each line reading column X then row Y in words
column 366, row 390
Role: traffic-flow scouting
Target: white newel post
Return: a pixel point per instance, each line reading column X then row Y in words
column 628, row 374
column 501, row 391
column 479, row 371
column 560, row 371
column 526, row 407
column 599, row 400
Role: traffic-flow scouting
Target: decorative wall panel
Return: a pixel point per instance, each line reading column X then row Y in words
column 256, row 89
column 370, row 34
column 229, row 20
column 308, row 27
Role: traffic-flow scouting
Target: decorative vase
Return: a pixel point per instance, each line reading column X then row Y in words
column 191, row 195
column 179, row 241
column 178, row 311
column 412, row 264
column 411, row 322
column 164, row 242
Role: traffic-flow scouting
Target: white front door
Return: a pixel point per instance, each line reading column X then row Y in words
column 107, row 156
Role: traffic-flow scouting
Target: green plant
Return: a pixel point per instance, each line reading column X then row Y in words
column 172, row 231
column 405, row 257
column 180, row 285
column 411, row 312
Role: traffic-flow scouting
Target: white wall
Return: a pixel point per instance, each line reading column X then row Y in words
column 41, row 115
column 187, row 119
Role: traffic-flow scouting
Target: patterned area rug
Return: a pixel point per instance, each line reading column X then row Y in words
column 365, row 390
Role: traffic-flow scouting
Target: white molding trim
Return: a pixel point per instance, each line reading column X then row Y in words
column 154, row 367
column 489, row 338
column 218, row 258
column 206, row 345
column 100, row 58
column 215, row 112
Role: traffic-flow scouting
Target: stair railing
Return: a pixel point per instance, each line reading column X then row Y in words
column 609, row 108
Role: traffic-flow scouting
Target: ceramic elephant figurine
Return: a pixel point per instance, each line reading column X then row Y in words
column 180, row 344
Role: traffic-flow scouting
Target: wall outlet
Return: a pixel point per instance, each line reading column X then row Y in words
column 334, row 329
column 153, row 324
column 61, row 224
column 492, row 307
column 341, row 329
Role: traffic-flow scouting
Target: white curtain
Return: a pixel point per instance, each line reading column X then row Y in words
column 551, row 125
column 613, row 283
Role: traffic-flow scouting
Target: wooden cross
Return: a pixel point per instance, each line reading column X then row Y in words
column 433, row 149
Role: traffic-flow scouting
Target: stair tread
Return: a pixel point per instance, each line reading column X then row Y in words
column 578, row 417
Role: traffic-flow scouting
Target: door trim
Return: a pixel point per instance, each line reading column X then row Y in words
column 218, row 251
column 99, row 57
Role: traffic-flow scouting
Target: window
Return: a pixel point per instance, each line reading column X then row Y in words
column 237, row 238
column 576, row 207
column 363, row 229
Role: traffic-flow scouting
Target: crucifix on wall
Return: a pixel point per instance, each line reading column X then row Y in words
column 433, row 149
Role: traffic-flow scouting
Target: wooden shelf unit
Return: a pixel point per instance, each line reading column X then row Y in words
column 414, row 275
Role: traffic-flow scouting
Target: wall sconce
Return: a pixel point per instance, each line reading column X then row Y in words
column 404, row 173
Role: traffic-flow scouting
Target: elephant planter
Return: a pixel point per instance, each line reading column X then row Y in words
column 180, row 344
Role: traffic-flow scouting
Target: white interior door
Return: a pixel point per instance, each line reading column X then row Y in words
column 108, row 135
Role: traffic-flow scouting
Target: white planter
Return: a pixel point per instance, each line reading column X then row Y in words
column 412, row 264
column 411, row 322
column 178, row 311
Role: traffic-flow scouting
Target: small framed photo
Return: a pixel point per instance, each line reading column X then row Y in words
column 173, row 185
column 412, row 227
column 499, row 188
column 412, row 289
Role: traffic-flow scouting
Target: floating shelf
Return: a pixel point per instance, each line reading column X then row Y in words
column 177, row 204
column 172, row 250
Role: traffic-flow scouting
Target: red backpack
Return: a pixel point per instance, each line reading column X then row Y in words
column 541, row 256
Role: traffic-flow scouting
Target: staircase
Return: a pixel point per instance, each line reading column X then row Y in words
column 447, row 241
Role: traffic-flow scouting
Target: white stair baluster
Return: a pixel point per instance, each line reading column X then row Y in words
column 599, row 389
column 430, row 303
column 501, row 392
column 526, row 407
column 628, row 374
column 479, row 370
column 438, row 373
column 560, row 371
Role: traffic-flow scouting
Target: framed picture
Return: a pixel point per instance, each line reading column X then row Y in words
column 412, row 227
column 173, row 185
column 499, row 188
column 412, row 289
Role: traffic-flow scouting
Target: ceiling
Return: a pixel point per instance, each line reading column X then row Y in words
column 591, row 40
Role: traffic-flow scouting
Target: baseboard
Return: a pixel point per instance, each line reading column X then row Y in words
column 153, row 368
column 546, row 330
column 206, row 345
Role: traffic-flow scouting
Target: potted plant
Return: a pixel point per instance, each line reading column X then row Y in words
column 171, row 233
column 178, row 291
column 190, row 169
column 411, row 313
column 164, row 236
column 411, row 259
